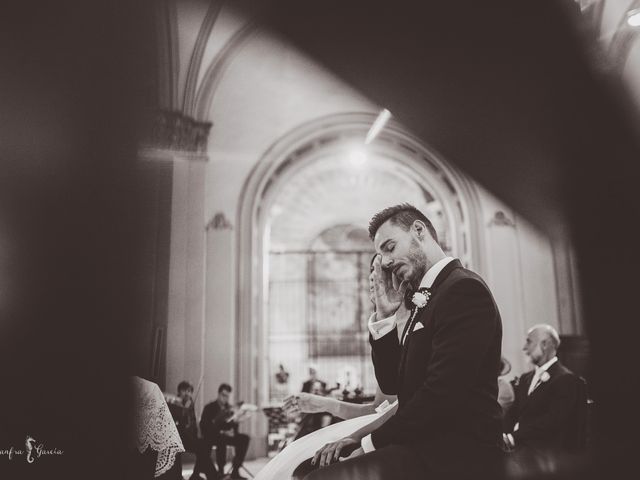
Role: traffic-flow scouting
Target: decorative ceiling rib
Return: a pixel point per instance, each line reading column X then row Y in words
column 204, row 96
column 198, row 52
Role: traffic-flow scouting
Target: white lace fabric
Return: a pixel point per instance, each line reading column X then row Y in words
column 155, row 428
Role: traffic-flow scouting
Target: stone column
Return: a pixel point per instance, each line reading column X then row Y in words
column 180, row 143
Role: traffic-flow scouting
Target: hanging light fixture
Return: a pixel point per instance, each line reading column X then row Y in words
column 633, row 17
column 378, row 125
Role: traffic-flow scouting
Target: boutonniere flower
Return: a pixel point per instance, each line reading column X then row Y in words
column 420, row 298
column 544, row 376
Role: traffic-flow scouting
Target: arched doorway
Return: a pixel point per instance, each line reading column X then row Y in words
column 310, row 191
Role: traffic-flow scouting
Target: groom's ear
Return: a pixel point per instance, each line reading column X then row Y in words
column 419, row 228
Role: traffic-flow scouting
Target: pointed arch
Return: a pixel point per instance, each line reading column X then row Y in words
column 278, row 165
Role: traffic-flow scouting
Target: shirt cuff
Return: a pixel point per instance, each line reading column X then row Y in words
column 511, row 440
column 367, row 444
column 380, row 328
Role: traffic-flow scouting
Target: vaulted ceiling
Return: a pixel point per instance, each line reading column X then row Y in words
column 223, row 63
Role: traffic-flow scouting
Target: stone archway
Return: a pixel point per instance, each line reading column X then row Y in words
column 320, row 149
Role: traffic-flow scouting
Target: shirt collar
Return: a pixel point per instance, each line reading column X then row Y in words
column 546, row 366
column 432, row 273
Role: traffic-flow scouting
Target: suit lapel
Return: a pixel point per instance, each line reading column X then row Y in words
column 527, row 378
column 525, row 383
column 444, row 273
column 422, row 313
column 553, row 371
column 404, row 348
column 408, row 324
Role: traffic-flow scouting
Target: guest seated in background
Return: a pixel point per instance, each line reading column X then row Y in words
column 313, row 379
column 506, row 395
column 183, row 412
column 309, row 403
column 316, row 403
column 313, row 421
column 220, row 428
column 549, row 400
column 360, row 420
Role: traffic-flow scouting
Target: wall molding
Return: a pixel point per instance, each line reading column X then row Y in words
column 500, row 219
column 285, row 156
column 219, row 222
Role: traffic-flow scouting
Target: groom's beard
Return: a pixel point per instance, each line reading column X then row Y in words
column 418, row 261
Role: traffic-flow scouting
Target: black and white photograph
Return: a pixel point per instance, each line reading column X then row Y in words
column 316, row 240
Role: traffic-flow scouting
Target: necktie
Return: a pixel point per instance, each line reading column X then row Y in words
column 535, row 380
column 408, row 295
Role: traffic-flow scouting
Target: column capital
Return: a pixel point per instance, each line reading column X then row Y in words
column 173, row 131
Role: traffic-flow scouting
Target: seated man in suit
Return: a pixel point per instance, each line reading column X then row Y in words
column 548, row 399
column 312, row 381
column 182, row 408
column 219, row 429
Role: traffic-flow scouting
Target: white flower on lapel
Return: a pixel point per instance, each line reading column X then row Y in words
column 420, row 299
column 544, row 376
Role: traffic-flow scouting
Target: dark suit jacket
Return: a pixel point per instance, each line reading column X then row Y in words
column 214, row 420
column 446, row 374
column 552, row 416
column 185, row 419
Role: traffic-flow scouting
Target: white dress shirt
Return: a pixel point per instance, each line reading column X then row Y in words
column 535, row 381
column 379, row 328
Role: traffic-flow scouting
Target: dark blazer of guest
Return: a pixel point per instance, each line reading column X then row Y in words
column 214, row 420
column 445, row 375
column 553, row 414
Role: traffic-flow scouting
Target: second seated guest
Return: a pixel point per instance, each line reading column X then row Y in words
column 549, row 400
column 219, row 429
column 443, row 365
column 183, row 411
column 360, row 420
column 308, row 385
column 315, row 403
column 316, row 420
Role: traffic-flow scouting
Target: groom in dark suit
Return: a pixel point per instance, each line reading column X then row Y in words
column 550, row 401
column 443, row 364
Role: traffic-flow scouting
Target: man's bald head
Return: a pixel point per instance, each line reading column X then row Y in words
column 542, row 343
column 547, row 332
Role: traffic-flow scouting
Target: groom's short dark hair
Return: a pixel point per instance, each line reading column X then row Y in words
column 404, row 215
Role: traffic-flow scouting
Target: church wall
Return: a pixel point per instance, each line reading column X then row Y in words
column 521, row 274
column 220, row 328
column 248, row 116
